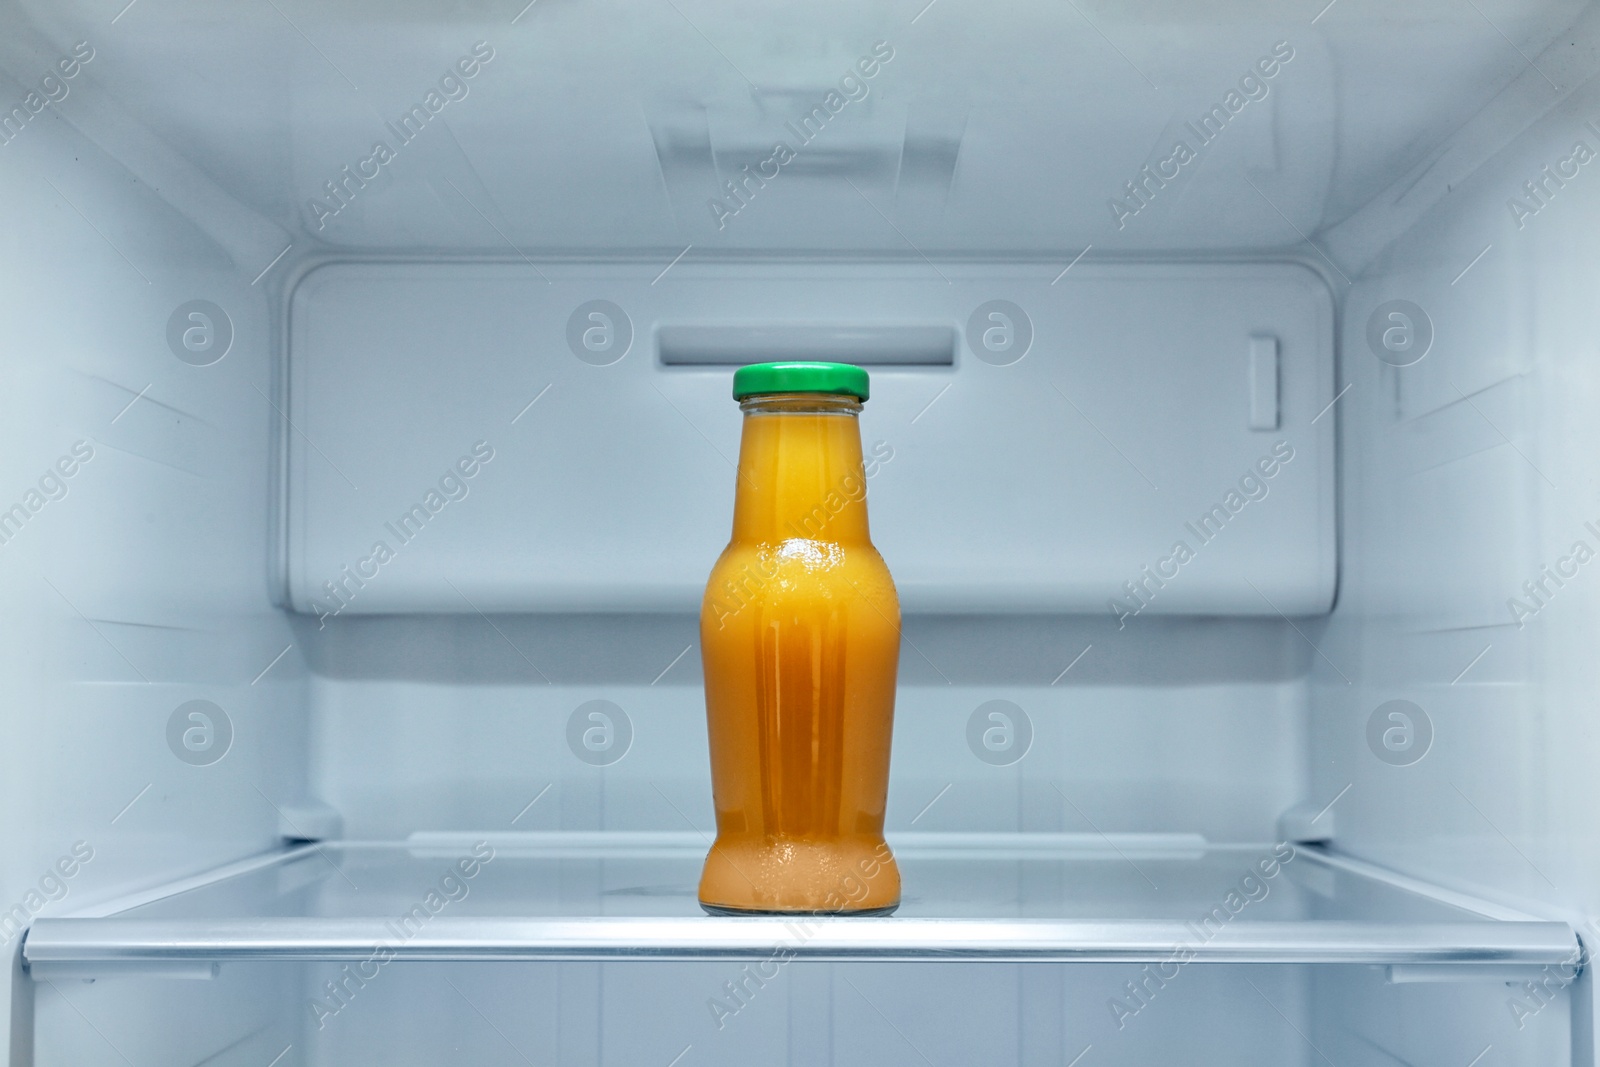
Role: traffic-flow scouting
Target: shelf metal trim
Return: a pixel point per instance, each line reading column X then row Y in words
column 837, row 939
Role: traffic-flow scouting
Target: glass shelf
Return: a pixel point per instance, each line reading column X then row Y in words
column 631, row 896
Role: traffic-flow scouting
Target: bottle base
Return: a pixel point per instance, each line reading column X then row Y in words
column 864, row 913
column 800, row 876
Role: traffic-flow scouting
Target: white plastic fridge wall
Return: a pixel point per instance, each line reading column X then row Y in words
column 144, row 583
column 1471, row 507
column 133, row 564
column 1116, row 414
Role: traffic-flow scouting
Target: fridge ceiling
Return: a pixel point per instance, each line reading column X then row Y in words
column 501, row 128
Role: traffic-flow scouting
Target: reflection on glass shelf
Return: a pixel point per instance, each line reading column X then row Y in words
column 1046, row 897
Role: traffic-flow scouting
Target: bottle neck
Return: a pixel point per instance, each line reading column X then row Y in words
column 800, row 470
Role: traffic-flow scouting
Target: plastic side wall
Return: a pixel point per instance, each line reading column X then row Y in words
column 134, row 504
column 1469, row 585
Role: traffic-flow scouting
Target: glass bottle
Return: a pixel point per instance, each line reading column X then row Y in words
column 800, row 640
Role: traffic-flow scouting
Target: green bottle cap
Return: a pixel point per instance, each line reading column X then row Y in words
column 844, row 379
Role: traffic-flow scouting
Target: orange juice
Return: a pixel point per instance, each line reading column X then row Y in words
column 800, row 638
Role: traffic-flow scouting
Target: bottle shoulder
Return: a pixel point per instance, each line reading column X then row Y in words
column 803, row 567
column 797, row 554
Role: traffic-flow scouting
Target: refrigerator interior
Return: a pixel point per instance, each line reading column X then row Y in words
column 278, row 275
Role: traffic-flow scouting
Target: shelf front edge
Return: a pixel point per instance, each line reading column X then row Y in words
column 810, row 938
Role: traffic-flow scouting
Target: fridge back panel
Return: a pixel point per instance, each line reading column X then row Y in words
column 559, row 436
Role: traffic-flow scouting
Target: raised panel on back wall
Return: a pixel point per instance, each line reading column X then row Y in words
column 504, row 437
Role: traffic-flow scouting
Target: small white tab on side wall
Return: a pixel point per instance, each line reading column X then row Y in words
column 1263, row 382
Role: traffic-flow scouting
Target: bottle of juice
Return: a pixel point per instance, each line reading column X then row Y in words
column 800, row 638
